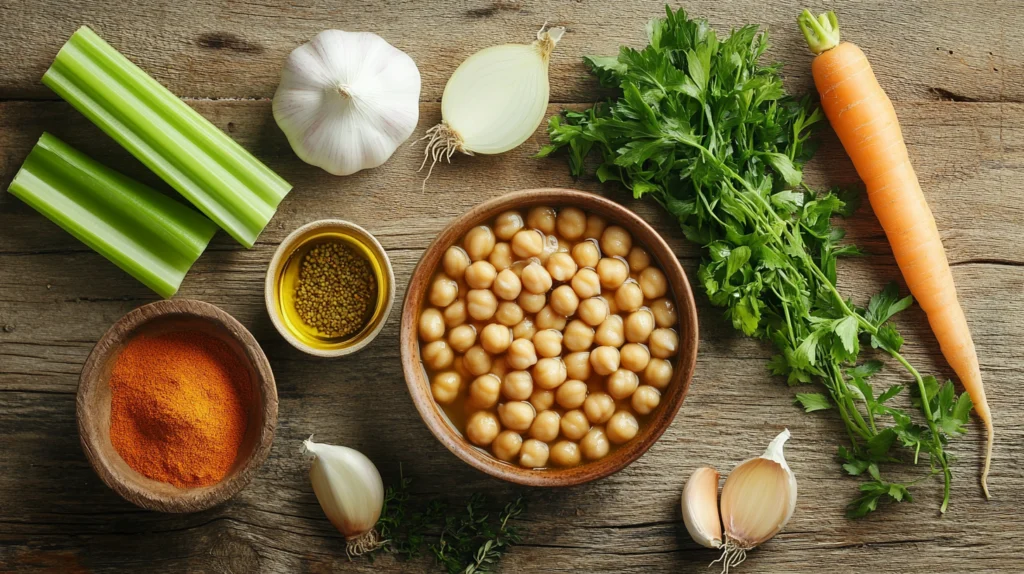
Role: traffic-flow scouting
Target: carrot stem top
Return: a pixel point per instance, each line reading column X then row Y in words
column 822, row 33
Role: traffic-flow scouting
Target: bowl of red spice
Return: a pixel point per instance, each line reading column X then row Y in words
column 177, row 406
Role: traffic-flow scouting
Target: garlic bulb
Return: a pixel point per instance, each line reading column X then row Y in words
column 700, row 508
column 495, row 100
column 758, row 499
column 350, row 491
column 347, row 100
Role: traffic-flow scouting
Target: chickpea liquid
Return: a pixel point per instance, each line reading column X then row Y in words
column 548, row 339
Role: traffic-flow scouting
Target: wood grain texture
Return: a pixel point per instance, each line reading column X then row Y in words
column 57, row 298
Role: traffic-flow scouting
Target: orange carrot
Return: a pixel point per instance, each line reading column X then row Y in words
column 866, row 123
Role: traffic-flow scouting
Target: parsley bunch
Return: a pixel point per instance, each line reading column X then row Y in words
column 707, row 130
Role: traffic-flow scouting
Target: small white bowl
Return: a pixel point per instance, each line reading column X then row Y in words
column 290, row 252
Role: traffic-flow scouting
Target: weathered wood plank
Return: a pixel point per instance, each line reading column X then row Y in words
column 930, row 50
column 57, row 298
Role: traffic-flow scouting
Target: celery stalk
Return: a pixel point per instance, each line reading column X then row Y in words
column 201, row 162
column 151, row 236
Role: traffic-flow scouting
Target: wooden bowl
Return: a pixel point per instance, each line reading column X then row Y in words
column 672, row 398
column 93, row 405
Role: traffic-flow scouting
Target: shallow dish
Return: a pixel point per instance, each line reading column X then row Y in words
column 282, row 273
column 93, row 405
column 419, row 385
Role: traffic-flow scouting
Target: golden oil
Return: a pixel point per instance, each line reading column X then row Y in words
column 288, row 279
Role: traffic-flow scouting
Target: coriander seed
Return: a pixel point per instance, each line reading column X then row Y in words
column 336, row 290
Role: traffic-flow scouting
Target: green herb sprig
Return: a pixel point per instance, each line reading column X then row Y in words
column 710, row 133
column 466, row 542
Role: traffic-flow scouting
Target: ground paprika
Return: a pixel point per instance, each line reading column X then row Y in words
column 179, row 404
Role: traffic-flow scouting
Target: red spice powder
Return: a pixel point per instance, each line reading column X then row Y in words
column 179, row 404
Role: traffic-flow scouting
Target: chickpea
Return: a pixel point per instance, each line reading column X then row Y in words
column 604, row 360
column 616, row 241
column 437, row 355
column 658, row 373
column 521, row 354
column 595, row 226
column 622, row 383
column 549, row 372
column 445, row 386
column 571, row 394
column 593, row 311
column 612, row 271
column 621, row 427
column 495, row 338
column 532, row 302
column 536, row 279
column 476, row 360
column 578, row 336
column 638, row 259
column 564, row 246
column 575, row 424
column 480, row 275
column 609, row 300
column 516, row 415
column 455, row 261
column 443, row 291
column 577, row 365
column 599, row 407
column 546, row 426
column 561, row 266
column 564, row 300
column 460, row 367
column 630, row 296
column 634, row 357
column 653, row 283
column 542, row 218
column 533, row 454
column 645, row 399
column 501, row 256
column 586, row 254
column 664, row 310
column 479, row 242
column 461, row 338
column 525, row 329
column 455, row 314
column 507, row 285
column 517, row 385
column 586, row 283
column 639, row 326
column 548, row 343
column 482, row 427
column 551, row 247
column 542, row 400
column 508, row 313
column 484, row 391
column 528, row 243
column 594, row 444
column 548, row 318
column 611, row 332
column 565, row 453
column 571, row 223
column 507, row 224
column 664, row 343
column 506, row 446
column 481, row 304
column 431, row 325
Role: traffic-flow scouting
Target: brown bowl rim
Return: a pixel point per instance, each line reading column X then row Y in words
column 195, row 499
column 415, row 376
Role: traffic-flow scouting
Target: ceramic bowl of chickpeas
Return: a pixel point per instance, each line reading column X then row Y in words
column 548, row 337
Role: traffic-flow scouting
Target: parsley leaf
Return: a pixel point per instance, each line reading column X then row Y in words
column 812, row 402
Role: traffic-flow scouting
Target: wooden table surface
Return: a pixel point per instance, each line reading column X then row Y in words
column 953, row 68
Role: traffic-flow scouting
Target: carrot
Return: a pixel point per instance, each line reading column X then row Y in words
column 865, row 121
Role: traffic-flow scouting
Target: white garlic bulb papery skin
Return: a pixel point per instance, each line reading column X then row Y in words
column 347, row 100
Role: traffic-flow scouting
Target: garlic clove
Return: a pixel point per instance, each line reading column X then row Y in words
column 758, row 498
column 700, row 508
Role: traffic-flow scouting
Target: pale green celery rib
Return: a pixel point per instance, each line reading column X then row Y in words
column 206, row 166
column 149, row 235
